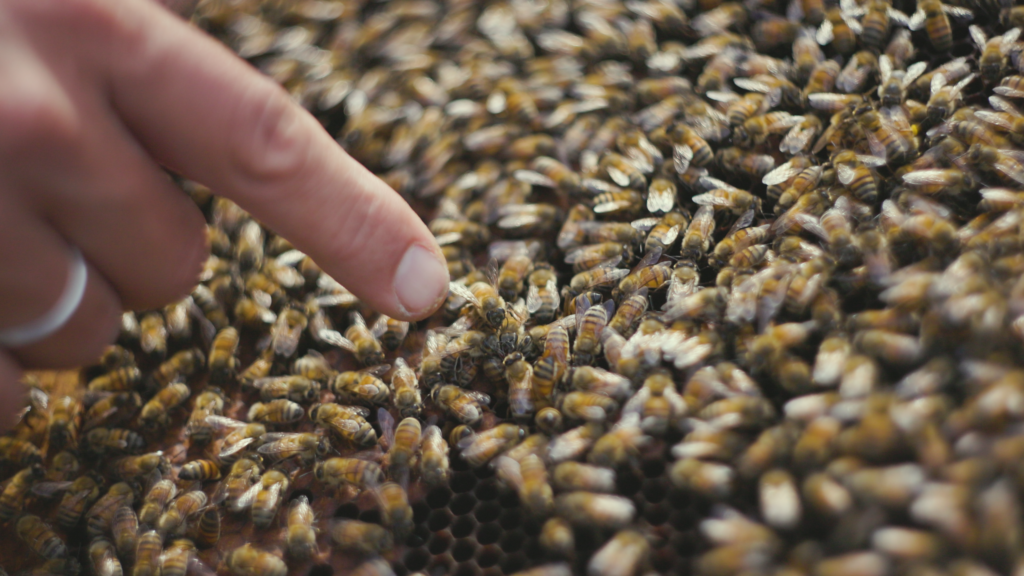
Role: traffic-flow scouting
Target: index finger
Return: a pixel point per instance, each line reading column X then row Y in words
column 204, row 112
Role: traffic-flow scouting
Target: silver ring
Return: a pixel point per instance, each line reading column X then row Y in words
column 65, row 307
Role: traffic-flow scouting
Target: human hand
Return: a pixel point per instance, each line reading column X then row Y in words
column 95, row 95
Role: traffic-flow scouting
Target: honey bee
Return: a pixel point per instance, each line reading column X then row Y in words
column 542, row 299
column 480, row 448
column 80, row 495
column 821, row 80
column 40, row 538
column 393, row 333
column 590, row 321
column 361, row 537
column 361, row 387
column 853, row 174
column 178, row 557
column 19, row 452
column 951, row 181
column 485, row 300
column 945, row 98
column 840, row 29
column 200, row 471
column 155, row 414
column 620, row 445
column 307, row 446
column 156, row 500
column 606, row 511
column 338, row 471
column 248, row 560
column 395, row 510
column 117, row 380
column 998, row 162
column 287, row 331
column 557, row 538
column 101, row 441
column 757, row 129
column 179, row 511
column 222, row 362
column 529, row 477
column 737, row 242
column 209, row 402
column 363, row 342
column 101, row 514
column 347, row 422
column 404, row 440
column 932, row 14
column 405, row 389
column 63, row 422
column 264, row 498
column 260, row 368
column 104, row 558
column 626, row 552
column 153, row 335
column 433, row 461
column 591, row 256
column 281, row 411
column 512, row 274
column 294, row 388
column 750, row 165
column 466, row 406
column 124, row 528
column 300, row 537
column 147, row 554
column 252, row 314
column 206, row 532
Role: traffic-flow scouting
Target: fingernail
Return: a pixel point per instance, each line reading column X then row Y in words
column 421, row 281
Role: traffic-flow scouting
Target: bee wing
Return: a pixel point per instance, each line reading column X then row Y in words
column 682, row 155
column 960, row 14
column 853, row 23
column 898, row 16
column 334, row 338
column 478, row 397
column 979, row 37
column 582, row 305
column 223, row 422
column 884, row 68
column 797, row 139
column 229, row 450
column 380, row 326
column 463, row 292
column 533, row 301
column 824, row 100
column 661, row 200
column 248, row 497
column 876, row 146
column 534, row 178
column 913, row 73
column 1009, row 92
column 1008, row 39
column 609, row 277
column 782, row 173
column 49, row 489
column 963, row 83
column 916, row 20
column 825, row 33
column 387, row 425
column 925, row 177
column 742, row 222
column 508, row 469
column 644, row 224
column 1003, row 105
column 1011, row 169
column 937, row 83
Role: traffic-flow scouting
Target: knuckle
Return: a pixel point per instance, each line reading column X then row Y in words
column 267, row 138
column 33, row 115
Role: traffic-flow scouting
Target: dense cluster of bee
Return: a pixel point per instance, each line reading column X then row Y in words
column 733, row 293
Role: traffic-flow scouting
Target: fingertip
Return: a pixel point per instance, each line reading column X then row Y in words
column 420, row 282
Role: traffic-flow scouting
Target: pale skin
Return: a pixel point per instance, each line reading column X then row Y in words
column 95, row 97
